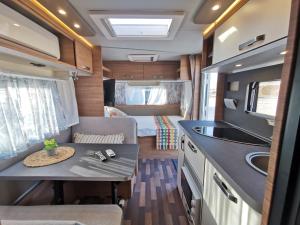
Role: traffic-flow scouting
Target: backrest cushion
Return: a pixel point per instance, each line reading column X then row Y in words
column 98, row 139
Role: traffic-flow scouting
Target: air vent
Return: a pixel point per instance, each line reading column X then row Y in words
column 143, row 57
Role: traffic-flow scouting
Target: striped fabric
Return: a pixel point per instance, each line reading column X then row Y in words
column 99, row 139
column 166, row 133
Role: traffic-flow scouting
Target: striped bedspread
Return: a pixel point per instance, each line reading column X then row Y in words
column 166, row 133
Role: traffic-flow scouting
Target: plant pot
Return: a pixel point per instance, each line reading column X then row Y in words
column 51, row 152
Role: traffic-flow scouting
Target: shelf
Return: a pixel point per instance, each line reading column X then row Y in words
column 267, row 55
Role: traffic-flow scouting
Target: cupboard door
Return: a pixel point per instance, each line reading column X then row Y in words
column 268, row 17
column 127, row 71
column 161, row 71
column 84, row 57
column 225, row 206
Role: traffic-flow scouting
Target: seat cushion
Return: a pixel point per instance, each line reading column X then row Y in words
column 85, row 214
column 98, row 139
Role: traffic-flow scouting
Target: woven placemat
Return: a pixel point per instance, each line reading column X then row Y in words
column 41, row 158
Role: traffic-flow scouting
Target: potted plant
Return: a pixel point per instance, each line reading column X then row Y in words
column 50, row 146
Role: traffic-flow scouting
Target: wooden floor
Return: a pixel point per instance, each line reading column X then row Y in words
column 156, row 200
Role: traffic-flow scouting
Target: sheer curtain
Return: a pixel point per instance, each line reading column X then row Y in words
column 157, row 96
column 30, row 110
column 135, row 95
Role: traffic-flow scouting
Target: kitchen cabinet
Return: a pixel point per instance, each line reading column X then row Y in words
column 222, row 205
column 84, row 57
column 180, row 160
column 257, row 23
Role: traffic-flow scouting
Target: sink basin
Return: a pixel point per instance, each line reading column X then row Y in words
column 259, row 161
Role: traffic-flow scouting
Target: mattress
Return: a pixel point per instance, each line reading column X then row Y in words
column 147, row 127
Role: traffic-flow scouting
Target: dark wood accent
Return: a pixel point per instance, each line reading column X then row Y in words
column 84, row 57
column 283, row 104
column 89, row 90
column 219, row 111
column 185, row 69
column 220, row 20
column 207, row 51
column 125, row 70
column 197, row 88
column 71, row 17
column 161, row 71
column 67, row 50
column 150, row 110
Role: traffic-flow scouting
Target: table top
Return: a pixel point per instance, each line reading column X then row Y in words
column 82, row 167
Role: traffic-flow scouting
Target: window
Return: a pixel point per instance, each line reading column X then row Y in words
column 208, row 97
column 138, row 25
column 133, row 27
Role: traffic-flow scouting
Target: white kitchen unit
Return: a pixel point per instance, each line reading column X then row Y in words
column 223, row 206
column 180, row 160
column 257, row 23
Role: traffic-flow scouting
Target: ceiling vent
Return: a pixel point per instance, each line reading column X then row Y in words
column 143, row 57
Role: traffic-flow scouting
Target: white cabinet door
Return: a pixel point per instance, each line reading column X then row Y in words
column 180, row 160
column 224, row 205
column 257, row 17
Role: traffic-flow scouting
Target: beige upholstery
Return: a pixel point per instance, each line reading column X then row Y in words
column 86, row 214
column 105, row 126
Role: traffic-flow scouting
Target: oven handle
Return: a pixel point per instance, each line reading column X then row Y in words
column 192, row 147
column 224, row 189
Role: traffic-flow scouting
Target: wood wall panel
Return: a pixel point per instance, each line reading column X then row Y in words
column 185, row 70
column 283, row 104
column 89, row 90
column 197, row 89
column 219, row 111
column 125, row 70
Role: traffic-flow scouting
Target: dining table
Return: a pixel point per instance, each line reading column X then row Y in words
column 82, row 166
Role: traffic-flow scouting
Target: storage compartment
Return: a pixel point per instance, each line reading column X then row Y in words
column 19, row 29
column 161, row 71
column 257, row 23
column 223, row 206
column 84, row 57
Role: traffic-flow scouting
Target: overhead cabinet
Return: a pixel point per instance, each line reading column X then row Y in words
column 257, row 23
column 84, row 57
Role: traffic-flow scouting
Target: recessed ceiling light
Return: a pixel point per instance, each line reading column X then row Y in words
column 76, row 25
column 283, row 53
column 62, row 12
column 215, row 7
column 16, row 25
column 238, row 65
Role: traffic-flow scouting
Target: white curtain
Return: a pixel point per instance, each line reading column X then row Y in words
column 135, row 95
column 157, row 96
column 30, row 111
column 67, row 95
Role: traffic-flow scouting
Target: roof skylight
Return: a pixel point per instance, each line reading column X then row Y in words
column 135, row 27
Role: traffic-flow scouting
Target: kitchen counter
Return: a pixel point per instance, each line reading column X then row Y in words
column 229, row 159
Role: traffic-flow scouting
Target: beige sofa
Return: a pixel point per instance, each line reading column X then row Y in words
column 84, row 214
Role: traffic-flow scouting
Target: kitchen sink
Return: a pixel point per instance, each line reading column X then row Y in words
column 259, row 161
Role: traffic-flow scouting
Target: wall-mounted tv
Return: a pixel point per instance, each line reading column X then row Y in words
column 109, row 92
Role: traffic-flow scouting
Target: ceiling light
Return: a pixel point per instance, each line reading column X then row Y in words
column 227, row 33
column 76, row 25
column 238, row 65
column 16, row 25
column 283, row 53
column 62, row 12
column 215, row 7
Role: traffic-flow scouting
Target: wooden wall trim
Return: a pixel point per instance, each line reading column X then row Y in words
column 197, row 88
column 89, row 90
column 219, row 111
column 283, row 104
column 150, row 110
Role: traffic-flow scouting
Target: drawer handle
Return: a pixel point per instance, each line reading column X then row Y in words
column 182, row 143
column 192, row 147
column 224, row 189
column 86, row 68
column 252, row 41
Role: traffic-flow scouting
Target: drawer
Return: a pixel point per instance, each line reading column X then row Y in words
column 195, row 158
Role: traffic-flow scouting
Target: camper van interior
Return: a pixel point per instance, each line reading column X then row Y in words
column 161, row 112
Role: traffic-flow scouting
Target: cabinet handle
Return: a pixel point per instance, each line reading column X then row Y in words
column 86, row 68
column 192, row 147
column 224, row 189
column 182, row 143
column 252, row 41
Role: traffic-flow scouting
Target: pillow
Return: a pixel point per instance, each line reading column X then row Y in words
column 39, row 222
column 99, row 139
column 113, row 112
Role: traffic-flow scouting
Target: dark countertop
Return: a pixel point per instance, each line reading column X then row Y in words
column 82, row 167
column 229, row 159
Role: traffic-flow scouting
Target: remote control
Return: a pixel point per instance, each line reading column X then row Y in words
column 100, row 156
column 110, row 153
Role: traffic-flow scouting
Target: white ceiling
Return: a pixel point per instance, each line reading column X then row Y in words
column 187, row 41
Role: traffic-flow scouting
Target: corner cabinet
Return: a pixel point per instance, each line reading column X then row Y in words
column 257, row 23
column 222, row 205
column 83, row 57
